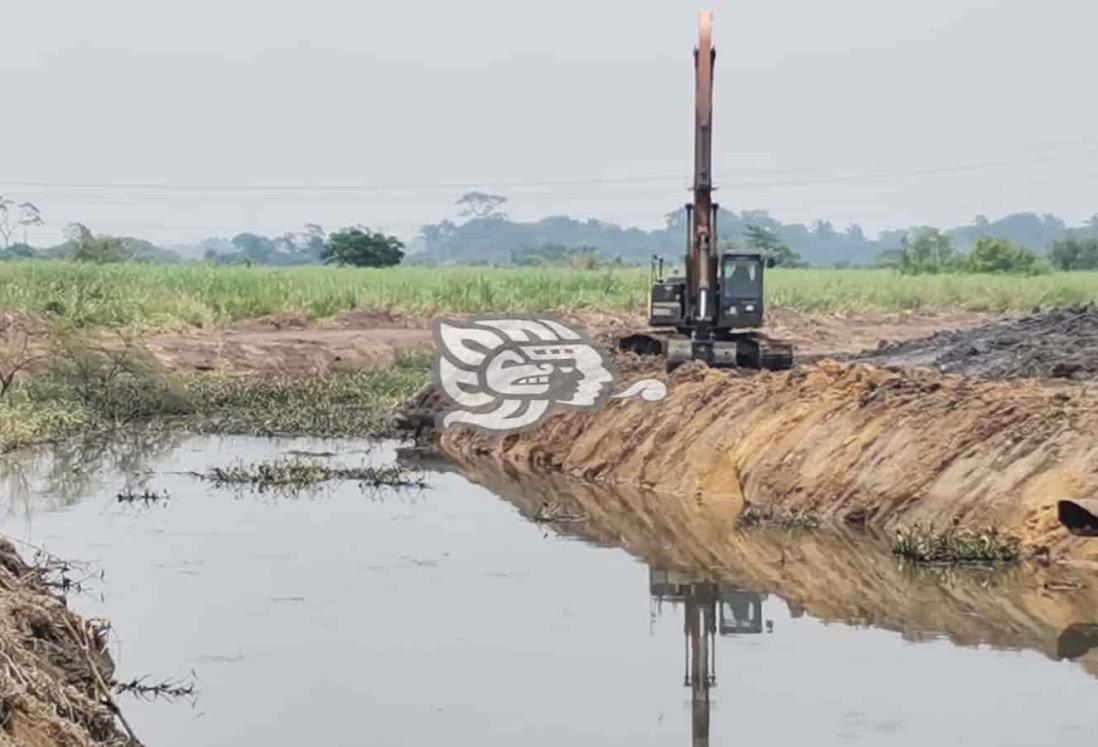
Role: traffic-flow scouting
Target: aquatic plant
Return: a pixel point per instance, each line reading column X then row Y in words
column 300, row 472
column 769, row 516
column 956, row 544
column 146, row 496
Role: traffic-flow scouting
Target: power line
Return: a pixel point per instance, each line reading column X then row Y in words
column 730, row 179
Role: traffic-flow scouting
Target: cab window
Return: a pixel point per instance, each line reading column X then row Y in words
column 741, row 278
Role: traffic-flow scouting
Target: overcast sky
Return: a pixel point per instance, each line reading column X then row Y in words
column 882, row 112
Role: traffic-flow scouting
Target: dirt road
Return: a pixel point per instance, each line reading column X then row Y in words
column 372, row 339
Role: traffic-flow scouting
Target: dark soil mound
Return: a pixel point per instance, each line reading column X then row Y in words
column 1059, row 344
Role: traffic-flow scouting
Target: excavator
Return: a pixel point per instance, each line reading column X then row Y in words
column 714, row 313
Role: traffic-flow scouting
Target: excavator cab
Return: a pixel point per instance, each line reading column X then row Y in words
column 741, row 291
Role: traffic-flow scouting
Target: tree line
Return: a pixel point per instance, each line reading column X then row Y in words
column 484, row 234
column 356, row 246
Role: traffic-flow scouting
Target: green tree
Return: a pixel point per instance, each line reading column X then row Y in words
column 1001, row 255
column 362, row 247
column 1074, row 254
column 765, row 242
column 927, row 250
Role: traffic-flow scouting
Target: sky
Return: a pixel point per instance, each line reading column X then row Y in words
column 176, row 121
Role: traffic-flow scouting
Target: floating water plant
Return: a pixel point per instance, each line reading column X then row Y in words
column 300, row 473
column 957, row 544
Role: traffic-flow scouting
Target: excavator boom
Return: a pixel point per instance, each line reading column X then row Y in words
column 701, row 265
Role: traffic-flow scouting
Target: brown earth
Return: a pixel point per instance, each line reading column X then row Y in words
column 843, row 576
column 373, row 339
column 292, row 344
column 367, row 338
column 850, row 442
column 54, row 667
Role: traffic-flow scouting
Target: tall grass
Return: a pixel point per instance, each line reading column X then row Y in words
column 164, row 297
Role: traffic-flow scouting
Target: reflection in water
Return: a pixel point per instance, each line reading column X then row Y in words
column 834, row 576
column 708, row 609
column 59, row 475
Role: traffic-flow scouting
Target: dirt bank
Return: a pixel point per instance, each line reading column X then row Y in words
column 845, row 576
column 1060, row 344
column 850, row 442
column 356, row 340
column 53, row 666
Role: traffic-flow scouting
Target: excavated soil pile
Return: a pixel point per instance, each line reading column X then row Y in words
column 54, row 666
column 1059, row 344
column 849, row 442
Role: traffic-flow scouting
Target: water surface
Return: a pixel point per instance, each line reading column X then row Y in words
column 447, row 616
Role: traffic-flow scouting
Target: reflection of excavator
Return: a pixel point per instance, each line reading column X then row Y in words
column 717, row 308
column 707, row 608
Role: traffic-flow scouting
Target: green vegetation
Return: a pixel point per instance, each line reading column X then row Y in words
column 99, row 389
column 765, row 242
column 357, row 403
column 175, row 297
column 956, row 544
column 1074, row 254
column 931, row 252
column 359, row 248
column 295, row 473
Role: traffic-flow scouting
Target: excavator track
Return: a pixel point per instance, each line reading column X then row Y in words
column 750, row 350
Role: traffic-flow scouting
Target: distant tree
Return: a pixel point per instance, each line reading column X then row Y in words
column 481, row 205
column 15, row 215
column 1072, row 253
column 254, row 248
column 579, row 257
column 100, row 250
column 926, row 250
column 363, row 248
column 1001, row 255
column 766, row 243
column 824, row 230
column 17, row 251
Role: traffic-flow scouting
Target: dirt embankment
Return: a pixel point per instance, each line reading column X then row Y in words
column 54, row 667
column 848, row 577
column 850, row 442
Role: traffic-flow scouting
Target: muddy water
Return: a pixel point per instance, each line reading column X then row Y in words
column 449, row 617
